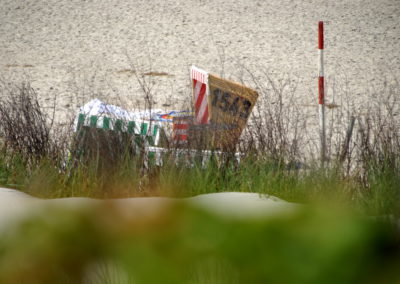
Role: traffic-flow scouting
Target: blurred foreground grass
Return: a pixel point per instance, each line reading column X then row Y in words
column 183, row 244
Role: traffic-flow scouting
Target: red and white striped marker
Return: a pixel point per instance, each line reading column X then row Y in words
column 200, row 92
column 321, row 88
column 321, row 97
column 180, row 129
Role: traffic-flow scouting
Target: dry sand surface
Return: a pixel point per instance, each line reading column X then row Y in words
column 77, row 49
column 15, row 205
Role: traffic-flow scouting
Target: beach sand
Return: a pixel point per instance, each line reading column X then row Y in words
column 73, row 51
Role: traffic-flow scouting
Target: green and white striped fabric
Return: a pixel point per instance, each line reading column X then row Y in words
column 148, row 129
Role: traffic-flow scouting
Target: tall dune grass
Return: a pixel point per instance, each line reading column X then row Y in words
column 275, row 146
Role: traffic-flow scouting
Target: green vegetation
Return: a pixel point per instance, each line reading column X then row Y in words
column 37, row 158
column 332, row 240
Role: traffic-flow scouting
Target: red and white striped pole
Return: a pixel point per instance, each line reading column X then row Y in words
column 321, row 89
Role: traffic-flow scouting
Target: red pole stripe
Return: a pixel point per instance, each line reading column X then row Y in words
column 181, row 126
column 200, row 98
column 321, row 92
column 204, row 119
column 321, row 35
column 181, row 137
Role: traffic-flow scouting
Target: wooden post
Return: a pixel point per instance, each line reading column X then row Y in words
column 346, row 144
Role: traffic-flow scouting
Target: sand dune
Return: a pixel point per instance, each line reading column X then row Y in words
column 15, row 205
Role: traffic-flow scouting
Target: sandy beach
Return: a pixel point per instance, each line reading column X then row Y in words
column 75, row 50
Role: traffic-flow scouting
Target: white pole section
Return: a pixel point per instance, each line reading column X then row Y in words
column 321, row 90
